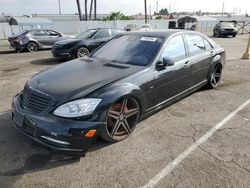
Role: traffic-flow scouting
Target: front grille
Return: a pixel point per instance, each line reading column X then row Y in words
column 34, row 100
column 229, row 29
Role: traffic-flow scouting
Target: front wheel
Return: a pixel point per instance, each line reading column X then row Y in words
column 81, row 52
column 121, row 119
column 215, row 76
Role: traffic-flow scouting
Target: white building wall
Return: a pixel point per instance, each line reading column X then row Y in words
column 75, row 27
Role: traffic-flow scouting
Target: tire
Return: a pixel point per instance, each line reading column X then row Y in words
column 121, row 119
column 234, row 35
column 215, row 76
column 81, row 52
column 32, row 47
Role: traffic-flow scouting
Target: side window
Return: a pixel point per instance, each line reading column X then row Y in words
column 102, row 34
column 207, row 45
column 52, row 33
column 195, row 44
column 38, row 33
column 175, row 49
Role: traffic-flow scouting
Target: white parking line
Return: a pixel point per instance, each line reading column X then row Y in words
column 27, row 74
column 172, row 165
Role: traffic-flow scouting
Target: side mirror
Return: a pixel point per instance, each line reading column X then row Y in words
column 165, row 62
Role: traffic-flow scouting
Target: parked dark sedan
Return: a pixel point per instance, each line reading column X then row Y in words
column 84, row 43
column 35, row 39
column 133, row 75
column 225, row 29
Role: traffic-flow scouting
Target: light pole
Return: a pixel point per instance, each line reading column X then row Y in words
column 59, row 3
column 146, row 16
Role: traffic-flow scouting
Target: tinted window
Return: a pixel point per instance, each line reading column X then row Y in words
column 38, row 33
column 130, row 49
column 175, row 48
column 87, row 34
column 102, row 34
column 227, row 24
column 195, row 44
column 52, row 33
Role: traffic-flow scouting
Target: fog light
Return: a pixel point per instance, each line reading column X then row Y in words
column 90, row 133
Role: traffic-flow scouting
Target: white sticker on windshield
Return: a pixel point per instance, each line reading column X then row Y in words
column 149, row 39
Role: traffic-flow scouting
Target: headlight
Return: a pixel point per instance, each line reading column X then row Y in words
column 77, row 108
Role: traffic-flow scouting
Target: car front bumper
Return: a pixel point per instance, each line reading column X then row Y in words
column 60, row 54
column 225, row 32
column 59, row 134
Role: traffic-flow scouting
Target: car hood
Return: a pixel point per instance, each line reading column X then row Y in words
column 68, row 41
column 79, row 77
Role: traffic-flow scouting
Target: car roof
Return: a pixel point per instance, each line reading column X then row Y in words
column 159, row 33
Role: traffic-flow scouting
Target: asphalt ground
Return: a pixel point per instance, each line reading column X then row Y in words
column 159, row 143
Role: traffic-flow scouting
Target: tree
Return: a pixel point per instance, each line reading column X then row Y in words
column 158, row 17
column 90, row 9
column 79, row 9
column 116, row 16
column 86, row 10
column 95, row 5
column 163, row 11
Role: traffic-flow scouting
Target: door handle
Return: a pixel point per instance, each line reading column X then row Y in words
column 187, row 64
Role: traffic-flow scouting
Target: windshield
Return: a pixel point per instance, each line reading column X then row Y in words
column 130, row 49
column 226, row 24
column 87, row 34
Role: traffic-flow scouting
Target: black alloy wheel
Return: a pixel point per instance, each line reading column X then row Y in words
column 121, row 119
column 215, row 76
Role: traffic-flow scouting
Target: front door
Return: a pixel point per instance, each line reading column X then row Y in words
column 174, row 79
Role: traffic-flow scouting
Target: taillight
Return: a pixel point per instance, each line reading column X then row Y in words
column 17, row 39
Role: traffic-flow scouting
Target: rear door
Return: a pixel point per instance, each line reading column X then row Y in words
column 175, row 79
column 201, row 55
column 40, row 36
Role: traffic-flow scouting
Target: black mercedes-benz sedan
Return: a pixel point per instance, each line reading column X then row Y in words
column 83, row 44
column 105, row 95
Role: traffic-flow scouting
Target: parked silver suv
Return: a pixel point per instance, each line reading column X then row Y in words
column 35, row 39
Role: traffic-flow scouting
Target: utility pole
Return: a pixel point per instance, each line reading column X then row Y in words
column 59, row 4
column 223, row 5
column 150, row 15
column 157, row 7
column 146, row 16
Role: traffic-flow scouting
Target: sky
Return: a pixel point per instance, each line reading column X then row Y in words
column 128, row 7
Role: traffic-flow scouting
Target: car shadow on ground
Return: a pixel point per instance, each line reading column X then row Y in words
column 3, row 52
column 48, row 61
column 20, row 155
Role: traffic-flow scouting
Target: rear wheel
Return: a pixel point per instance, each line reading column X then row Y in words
column 32, row 47
column 81, row 52
column 121, row 119
column 215, row 76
